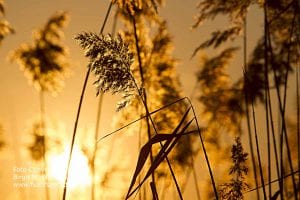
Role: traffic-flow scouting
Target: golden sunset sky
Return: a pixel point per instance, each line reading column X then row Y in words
column 19, row 101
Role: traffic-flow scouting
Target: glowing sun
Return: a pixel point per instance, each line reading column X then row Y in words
column 79, row 171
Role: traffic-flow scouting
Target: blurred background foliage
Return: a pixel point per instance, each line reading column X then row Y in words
column 251, row 107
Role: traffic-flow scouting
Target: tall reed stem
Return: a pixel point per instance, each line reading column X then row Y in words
column 266, row 92
column 282, row 108
column 144, row 95
column 298, row 118
column 245, row 70
column 79, row 109
column 298, row 85
column 274, row 142
column 269, row 106
column 139, row 147
column 74, row 132
column 284, row 103
column 205, row 153
column 148, row 116
column 98, row 119
column 258, row 152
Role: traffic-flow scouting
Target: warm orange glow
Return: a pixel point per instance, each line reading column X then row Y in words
column 79, row 171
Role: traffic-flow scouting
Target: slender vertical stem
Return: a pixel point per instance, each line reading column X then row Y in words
column 139, row 147
column 274, row 142
column 298, row 85
column 258, row 152
column 269, row 106
column 114, row 26
column 106, row 17
column 98, row 118
column 285, row 99
column 298, row 118
column 154, row 191
column 74, row 132
column 144, row 95
column 205, row 152
column 78, row 111
column 247, row 108
column 280, row 135
column 148, row 116
column 266, row 88
column 282, row 107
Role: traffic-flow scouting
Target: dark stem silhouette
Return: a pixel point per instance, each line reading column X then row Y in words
column 78, row 111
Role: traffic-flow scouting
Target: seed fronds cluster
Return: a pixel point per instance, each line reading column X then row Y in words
column 237, row 185
column 110, row 61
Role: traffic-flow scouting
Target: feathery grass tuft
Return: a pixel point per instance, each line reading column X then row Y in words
column 235, row 188
column 110, row 60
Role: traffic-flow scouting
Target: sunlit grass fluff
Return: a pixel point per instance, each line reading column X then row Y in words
column 110, row 61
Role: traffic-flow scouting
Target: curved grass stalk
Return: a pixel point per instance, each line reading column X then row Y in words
column 170, row 141
column 196, row 131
